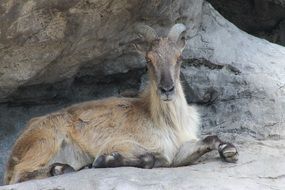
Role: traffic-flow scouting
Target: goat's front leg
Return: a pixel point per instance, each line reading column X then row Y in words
column 190, row 151
column 124, row 154
column 116, row 159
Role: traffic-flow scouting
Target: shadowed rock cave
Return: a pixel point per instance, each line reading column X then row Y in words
column 264, row 19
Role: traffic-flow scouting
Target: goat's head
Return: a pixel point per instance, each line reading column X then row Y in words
column 163, row 58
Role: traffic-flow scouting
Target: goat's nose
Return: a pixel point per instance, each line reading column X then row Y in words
column 168, row 89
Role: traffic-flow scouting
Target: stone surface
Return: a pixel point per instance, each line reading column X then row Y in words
column 237, row 81
column 243, row 78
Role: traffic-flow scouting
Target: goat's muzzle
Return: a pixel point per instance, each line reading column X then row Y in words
column 167, row 92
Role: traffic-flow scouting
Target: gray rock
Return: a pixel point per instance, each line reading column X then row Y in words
column 243, row 79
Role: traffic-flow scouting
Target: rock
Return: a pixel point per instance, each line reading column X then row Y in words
column 241, row 85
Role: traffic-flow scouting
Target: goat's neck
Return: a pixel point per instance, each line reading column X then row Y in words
column 173, row 114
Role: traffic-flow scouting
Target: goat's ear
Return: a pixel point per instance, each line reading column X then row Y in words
column 181, row 42
column 177, row 35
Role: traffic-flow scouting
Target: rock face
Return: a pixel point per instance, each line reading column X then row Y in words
column 236, row 80
column 72, row 39
column 243, row 79
column 262, row 18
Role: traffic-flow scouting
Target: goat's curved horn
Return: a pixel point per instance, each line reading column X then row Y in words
column 176, row 31
column 146, row 31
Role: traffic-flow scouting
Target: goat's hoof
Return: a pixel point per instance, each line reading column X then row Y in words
column 108, row 160
column 59, row 169
column 228, row 152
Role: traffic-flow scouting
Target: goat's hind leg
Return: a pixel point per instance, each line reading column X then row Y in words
column 59, row 169
column 190, row 152
column 52, row 170
column 32, row 157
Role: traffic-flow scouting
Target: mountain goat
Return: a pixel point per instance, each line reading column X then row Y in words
column 157, row 129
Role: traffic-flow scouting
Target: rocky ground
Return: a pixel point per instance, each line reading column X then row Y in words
column 236, row 80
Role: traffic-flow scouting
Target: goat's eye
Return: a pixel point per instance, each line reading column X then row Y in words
column 148, row 60
column 179, row 59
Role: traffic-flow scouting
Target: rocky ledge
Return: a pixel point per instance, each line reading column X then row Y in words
column 260, row 167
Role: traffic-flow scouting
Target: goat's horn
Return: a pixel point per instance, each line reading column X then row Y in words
column 176, row 31
column 146, row 31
